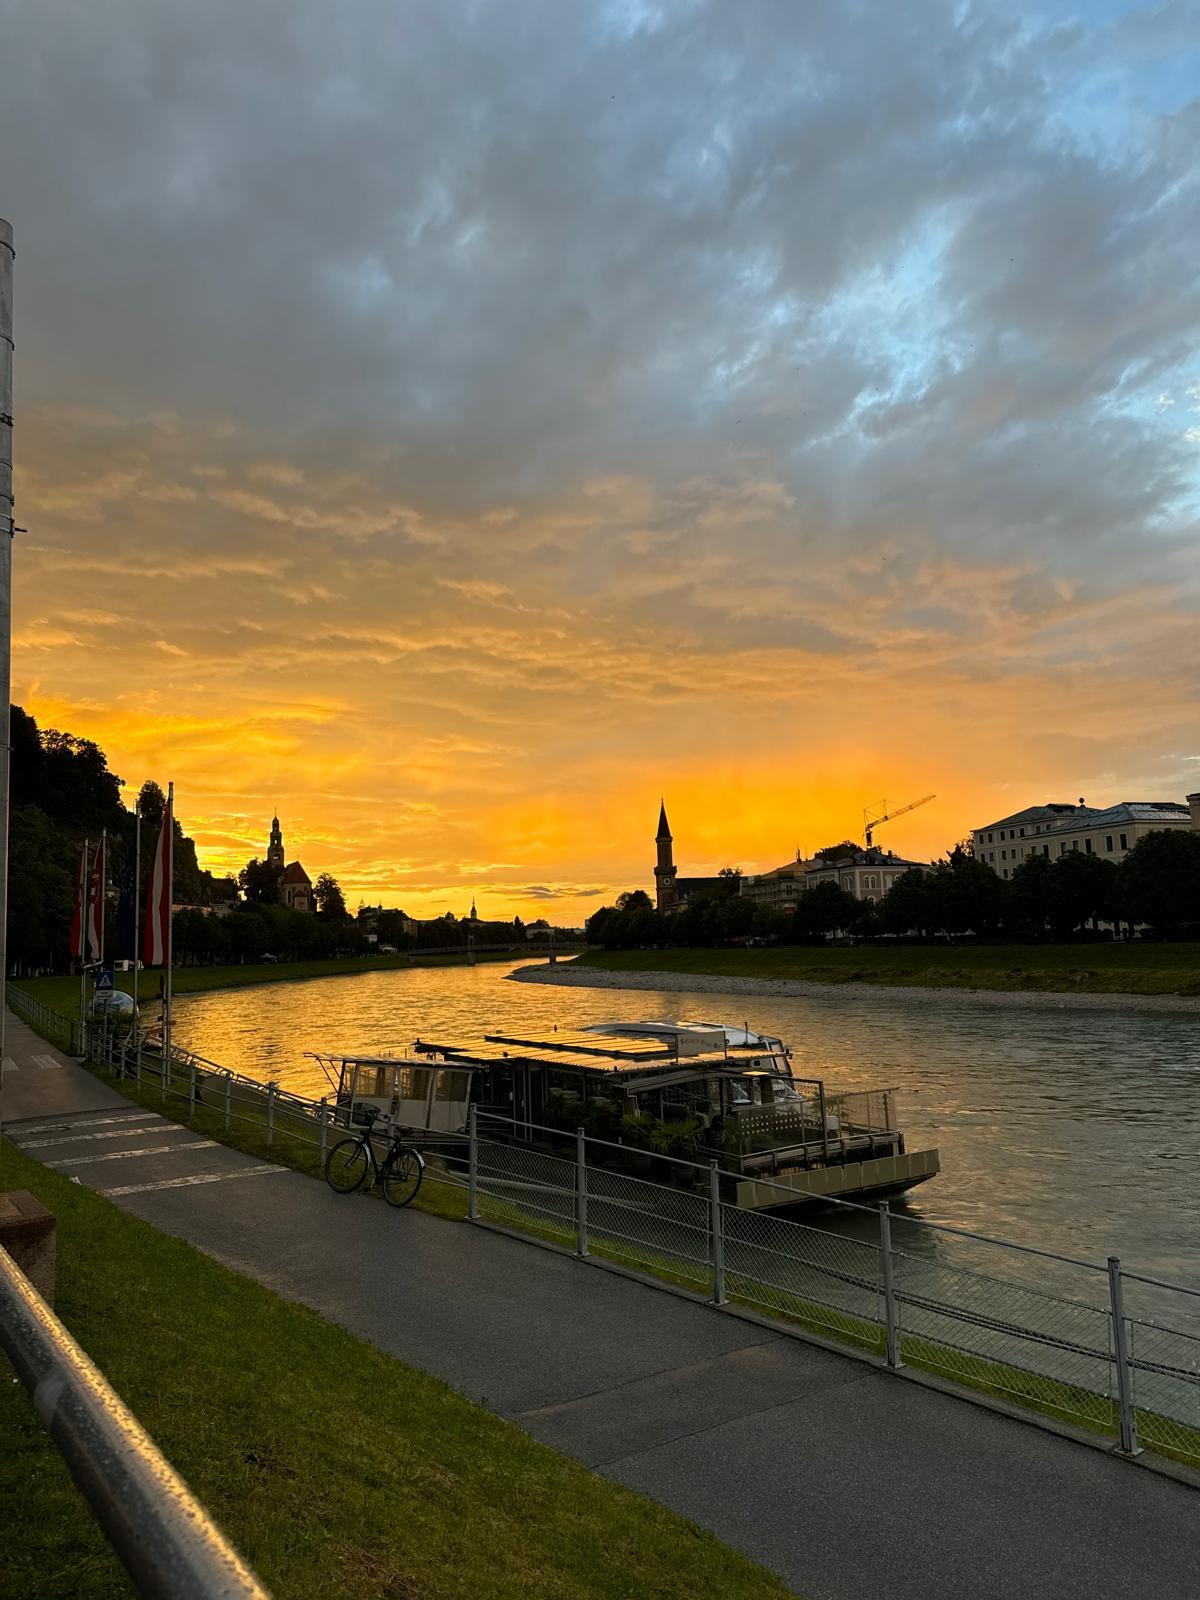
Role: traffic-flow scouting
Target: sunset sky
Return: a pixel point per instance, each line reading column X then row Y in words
column 459, row 424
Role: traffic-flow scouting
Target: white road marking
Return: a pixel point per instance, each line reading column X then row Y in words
column 92, row 1122
column 196, row 1177
column 109, row 1133
column 9, row 1065
column 125, row 1155
column 47, row 1063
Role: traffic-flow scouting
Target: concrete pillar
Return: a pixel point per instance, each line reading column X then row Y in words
column 27, row 1232
column 1193, row 801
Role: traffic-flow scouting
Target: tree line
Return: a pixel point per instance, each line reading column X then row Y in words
column 1156, row 886
column 61, row 793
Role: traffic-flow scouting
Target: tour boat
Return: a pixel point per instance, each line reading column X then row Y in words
column 684, row 1091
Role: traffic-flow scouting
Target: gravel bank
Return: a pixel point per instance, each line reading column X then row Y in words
column 569, row 976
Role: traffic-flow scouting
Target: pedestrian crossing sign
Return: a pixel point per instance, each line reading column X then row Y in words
column 104, row 979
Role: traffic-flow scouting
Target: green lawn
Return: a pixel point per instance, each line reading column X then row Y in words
column 1064, row 968
column 63, row 993
column 336, row 1470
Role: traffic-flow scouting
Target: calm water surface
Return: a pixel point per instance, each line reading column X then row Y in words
column 1076, row 1131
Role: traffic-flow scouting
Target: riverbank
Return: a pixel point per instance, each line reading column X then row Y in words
column 697, row 979
column 1133, row 968
column 62, row 994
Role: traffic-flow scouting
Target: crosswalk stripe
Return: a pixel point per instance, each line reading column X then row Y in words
column 92, row 1122
column 109, row 1133
column 126, row 1155
column 47, row 1063
column 196, row 1177
column 9, row 1065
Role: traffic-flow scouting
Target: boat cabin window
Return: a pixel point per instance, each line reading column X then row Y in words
column 452, row 1085
column 760, row 1089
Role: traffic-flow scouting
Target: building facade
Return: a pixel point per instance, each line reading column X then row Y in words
column 1057, row 828
column 867, row 874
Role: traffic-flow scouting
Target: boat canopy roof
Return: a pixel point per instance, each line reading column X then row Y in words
column 589, row 1054
column 713, row 1035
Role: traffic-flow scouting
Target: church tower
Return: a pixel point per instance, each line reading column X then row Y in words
column 664, row 872
column 275, row 848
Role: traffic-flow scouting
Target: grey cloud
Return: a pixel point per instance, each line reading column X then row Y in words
column 799, row 284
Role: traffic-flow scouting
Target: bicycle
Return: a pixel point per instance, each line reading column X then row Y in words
column 350, row 1160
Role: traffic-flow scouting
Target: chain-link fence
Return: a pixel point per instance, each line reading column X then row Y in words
column 1076, row 1340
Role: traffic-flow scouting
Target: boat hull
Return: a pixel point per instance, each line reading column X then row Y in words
column 856, row 1180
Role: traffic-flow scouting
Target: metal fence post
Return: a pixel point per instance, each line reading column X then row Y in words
column 270, row 1113
column 324, row 1128
column 165, row 1075
column 716, row 1233
column 1128, row 1445
column 138, row 1063
column 192, row 1089
column 228, row 1087
column 581, row 1220
column 472, row 1167
column 891, row 1310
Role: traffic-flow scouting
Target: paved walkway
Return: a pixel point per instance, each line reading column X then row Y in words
column 849, row 1482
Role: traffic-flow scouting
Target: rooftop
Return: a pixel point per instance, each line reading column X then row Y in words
column 1057, row 815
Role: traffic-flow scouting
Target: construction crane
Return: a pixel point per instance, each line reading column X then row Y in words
column 873, row 816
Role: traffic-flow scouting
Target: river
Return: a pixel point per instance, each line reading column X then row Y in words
column 1069, row 1130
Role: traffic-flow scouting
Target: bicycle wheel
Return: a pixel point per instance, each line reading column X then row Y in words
column 402, row 1178
column 346, row 1166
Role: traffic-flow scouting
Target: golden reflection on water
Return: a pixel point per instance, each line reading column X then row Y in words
column 1075, row 1130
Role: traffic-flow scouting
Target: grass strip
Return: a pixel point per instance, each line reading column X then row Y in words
column 1136, row 968
column 335, row 1469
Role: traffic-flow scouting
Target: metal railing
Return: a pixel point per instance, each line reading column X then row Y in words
column 280, row 1117
column 1027, row 1326
column 53, row 1025
column 162, row 1535
column 1090, row 1343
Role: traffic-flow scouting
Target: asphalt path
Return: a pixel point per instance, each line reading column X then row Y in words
column 850, row 1482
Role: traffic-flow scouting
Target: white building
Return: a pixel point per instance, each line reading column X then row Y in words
column 866, row 874
column 1055, row 829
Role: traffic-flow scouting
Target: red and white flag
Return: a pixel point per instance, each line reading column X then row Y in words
column 77, row 916
column 94, row 921
column 157, row 933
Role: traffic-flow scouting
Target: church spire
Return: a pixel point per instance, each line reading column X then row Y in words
column 275, row 846
column 664, row 872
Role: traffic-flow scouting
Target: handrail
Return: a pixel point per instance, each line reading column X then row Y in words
column 163, row 1536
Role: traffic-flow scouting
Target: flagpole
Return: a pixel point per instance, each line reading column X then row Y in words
column 137, row 890
column 85, row 882
column 170, row 938
column 102, row 891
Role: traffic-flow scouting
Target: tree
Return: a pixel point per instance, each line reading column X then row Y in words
column 911, row 904
column 259, row 882
column 391, row 928
column 1159, row 880
column 1080, row 888
column 41, row 889
column 1029, row 891
column 634, row 900
column 826, row 909
column 836, row 852
column 731, row 872
column 331, row 903
column 969, row 894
